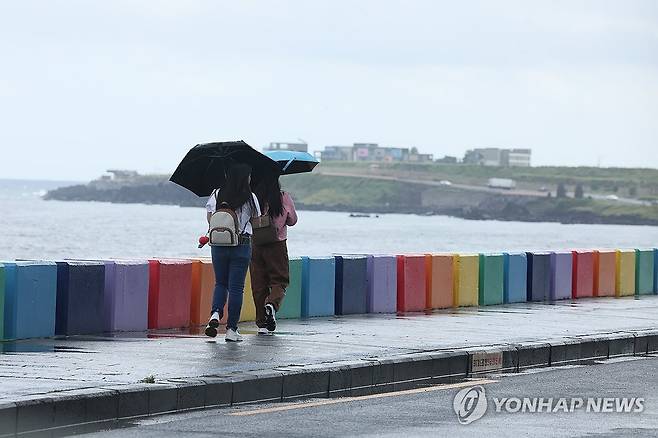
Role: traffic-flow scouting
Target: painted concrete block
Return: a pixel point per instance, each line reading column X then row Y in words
column 170, row 293
column 644, row 271
column 2, row 301
column 351, row 284
column 605, row 273
column 582, row 282
column 203, row 287
column 126, row 295
column 80, row 298
column 561, row 275
column 467, row 279
column 411, row 283
column 292, row 303
column 515, row 286
column 30, row 289
column 382, row 284
column 440, row 281
column 539, row 276
column 248, row 311
column 318, row 286
column 491, row 281
column 625, row 284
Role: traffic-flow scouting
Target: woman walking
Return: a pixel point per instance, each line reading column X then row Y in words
column 269, row 262
column 230, row 263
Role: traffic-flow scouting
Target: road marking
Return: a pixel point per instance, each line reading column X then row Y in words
column 364, row 397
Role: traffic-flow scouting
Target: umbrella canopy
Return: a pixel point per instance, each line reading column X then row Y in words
column 204, row 167
column 293, row 162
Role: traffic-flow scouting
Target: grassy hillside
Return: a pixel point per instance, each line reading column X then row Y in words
column 612, row 180
column 352, row 193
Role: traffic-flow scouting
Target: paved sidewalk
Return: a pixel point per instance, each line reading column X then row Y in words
column 44, row 368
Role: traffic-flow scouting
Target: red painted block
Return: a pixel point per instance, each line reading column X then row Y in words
column 583, row 274
column 605, row 268
column 411, row 283
column 170, row 293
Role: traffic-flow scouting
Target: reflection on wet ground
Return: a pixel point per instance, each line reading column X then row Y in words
column 40, row 366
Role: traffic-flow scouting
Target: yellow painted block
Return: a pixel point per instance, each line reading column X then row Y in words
column 248, row 312
column 625, row 285
column 466, row 278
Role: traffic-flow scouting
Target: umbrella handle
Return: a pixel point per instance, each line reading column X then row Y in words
column 288, row 164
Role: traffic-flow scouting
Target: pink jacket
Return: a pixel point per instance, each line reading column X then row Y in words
column 288, row 218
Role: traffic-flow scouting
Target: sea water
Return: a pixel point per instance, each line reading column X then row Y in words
column 36, row 229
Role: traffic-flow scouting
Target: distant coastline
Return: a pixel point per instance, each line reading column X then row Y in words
column 361, row 194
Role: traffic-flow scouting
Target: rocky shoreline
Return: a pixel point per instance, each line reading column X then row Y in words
column 400, row 198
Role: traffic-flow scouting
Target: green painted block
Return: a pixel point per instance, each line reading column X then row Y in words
column 292, row 303
column 2, row 302
column 644, row 271
column 492, row 278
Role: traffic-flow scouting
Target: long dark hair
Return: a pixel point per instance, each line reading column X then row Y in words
column 236, row 191
column 269, row 194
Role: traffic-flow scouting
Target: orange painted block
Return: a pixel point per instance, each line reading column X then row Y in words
column 439, row 276
column 170, row 293
column 203, row 287
column 466, row 279
column 605, row 268
column 625, row 284
column 411, row 283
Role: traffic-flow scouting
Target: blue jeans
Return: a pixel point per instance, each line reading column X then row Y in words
column 230, row 264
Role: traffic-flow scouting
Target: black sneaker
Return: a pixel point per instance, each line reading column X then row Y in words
column 211, row 328
column 270, row 315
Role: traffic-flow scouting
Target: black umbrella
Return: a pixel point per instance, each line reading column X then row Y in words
column 204, row 167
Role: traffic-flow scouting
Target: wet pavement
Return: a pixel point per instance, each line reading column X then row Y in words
column 44, row 367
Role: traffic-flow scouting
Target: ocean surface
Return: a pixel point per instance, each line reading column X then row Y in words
column 32, row 228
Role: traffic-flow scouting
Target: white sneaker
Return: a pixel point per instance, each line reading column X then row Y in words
column 264, row 331
column 233, row 336
column 213, row 323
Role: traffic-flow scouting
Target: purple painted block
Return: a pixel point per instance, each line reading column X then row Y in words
column 382, row 284
column 126, row 295
column 561, row 275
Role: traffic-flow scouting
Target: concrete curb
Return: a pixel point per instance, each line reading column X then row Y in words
column 349, row 378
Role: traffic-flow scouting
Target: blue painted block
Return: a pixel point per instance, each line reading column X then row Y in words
column 318, row 286
column 539, row 276
column 80, row 298
column 516, row 278
column 30, row 296
column 351, row 284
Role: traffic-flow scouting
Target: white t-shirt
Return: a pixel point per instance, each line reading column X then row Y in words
column 244, row 213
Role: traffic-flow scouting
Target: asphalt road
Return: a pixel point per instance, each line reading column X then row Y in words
column 430, row 412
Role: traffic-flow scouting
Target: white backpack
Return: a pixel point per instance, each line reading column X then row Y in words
column 224, row 228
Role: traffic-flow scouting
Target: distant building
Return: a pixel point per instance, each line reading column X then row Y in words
column 516, row 157
column 421, row 158
column 279, row 146
column 372, row 152
column 337, row 153
column 498, row 157
column 122, row 175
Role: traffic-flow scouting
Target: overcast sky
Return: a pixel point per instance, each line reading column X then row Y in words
column 91, row 85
